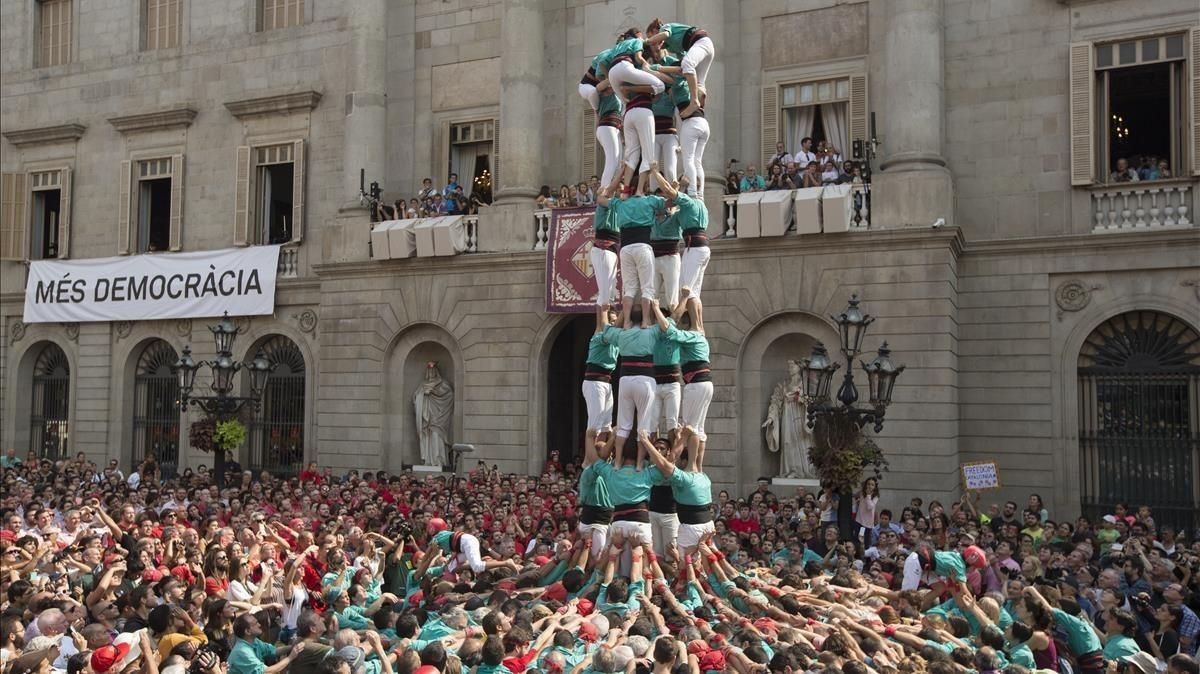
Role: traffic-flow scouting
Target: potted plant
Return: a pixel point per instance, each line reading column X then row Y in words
column 842, row 453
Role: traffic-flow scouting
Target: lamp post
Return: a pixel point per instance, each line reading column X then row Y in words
column 221, row 405
column 841, row 419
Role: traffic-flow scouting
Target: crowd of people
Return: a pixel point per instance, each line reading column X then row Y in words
column 430, row 202
column 811, row 166
column 370, row 572
column 1147, row 167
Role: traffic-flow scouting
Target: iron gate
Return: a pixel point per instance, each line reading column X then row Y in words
column 276, row 442
column 1139, row 417
column 48, row 419
column 156, row 408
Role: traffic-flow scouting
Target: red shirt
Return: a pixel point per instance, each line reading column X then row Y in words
column 740, row 526
column 215, row 587
column 518, row 664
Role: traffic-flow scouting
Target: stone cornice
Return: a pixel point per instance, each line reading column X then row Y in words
column 46, row 135
column 154, row 121
column 1176, row 236
column 281, row 104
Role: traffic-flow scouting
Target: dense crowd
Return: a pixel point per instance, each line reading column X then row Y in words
column 344, row 573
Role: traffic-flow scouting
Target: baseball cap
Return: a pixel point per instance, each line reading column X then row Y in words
column 41, row 643
column 106, row 657
column 1142, row 661
column 1111, row 519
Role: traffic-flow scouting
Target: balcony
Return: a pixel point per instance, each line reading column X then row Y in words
column 289, row 261
column 1145, row 205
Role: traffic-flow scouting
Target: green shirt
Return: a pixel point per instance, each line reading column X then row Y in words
column 629, row 485
column 354, row 618
column 638, row 211
column 950, row 565
column 1080, row 636
column 604, row 219
column 691, row 213
column 675, row 33
column 666, row 351
column 601, row 353
column 1022, row 655
column 693, row 346
column 632, row 342
column 249, row 658
column 592, row 489
column 1119, row 647
column 693, row 489
column 444, row 540
column 669, row 228
column 623, row 48
column 434, row 629
column 610, row 104
column 603, row 605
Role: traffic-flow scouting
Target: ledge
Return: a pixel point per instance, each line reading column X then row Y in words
column 154, row 121
column 46, row 135
column 1120, row 239
column 281, row 104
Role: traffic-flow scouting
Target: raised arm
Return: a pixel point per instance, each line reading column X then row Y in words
column 663, row 325
column 663, row 463
column 668, row 189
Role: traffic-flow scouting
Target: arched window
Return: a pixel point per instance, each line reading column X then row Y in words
column 1139, row 416
column 51, row 395
column 276, row 441
column 156, row 407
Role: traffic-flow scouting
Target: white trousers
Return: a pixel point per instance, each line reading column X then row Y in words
column 691, row 272
column 639, row 139
column 468, row 554
column 598, row 534
column 669, row 397
column 665, row 529
column 599, row 398
column 690, row 535
column 637, row 396
column 604, row 267
column 693, row 136
column 637, row 271
column 666, row 277
column 665, row 145
column 609, row 138
column 632, row 531
column 694, row 410
column 698, row 60
column 588, row 93
column 626, row 72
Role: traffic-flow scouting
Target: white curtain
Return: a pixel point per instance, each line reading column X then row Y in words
column 462, row 162
column 797, row 123
column 833, row 118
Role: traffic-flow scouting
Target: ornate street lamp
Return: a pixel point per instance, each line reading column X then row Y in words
column 841, row 419
column 222, row 406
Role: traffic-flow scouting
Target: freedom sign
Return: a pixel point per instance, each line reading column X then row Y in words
column 981, row 475
column 153, row 286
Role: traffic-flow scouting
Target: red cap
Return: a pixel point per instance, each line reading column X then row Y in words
column 588, row 632
column 712, row 661
column 151, row 575
column 435, row 525
column 427, row 669
column 106, row 657
column 585, row 607
column 975, row 557
column 555, row 592
column 183, row 573
column 697, row 647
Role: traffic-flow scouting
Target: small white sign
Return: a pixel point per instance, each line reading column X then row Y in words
column 981, row 475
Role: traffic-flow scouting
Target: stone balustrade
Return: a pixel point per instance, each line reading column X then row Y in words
column 541, row 228
column 1147, row 205
column 472, row 224
column 289, row 261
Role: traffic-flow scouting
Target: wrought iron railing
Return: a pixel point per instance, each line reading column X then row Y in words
column 156, row 421
column 48, row 421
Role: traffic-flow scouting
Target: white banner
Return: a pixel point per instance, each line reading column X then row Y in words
column 153, row 287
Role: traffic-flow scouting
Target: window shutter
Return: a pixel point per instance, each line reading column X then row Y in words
column 441, row 175
column 770, row 121
column 587, row 136
column 858, row 114
column 495, row 157
column 124, row 203
column 298, row 192
column 64, row 213
column 176, row 202
column 13, row 219
column 241, row 198
column 1083, row 101
column 1194, row 38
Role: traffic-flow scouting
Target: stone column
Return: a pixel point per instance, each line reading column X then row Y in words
column 508, row 224
column 363, row 146
column 710, row 16
column 913, row 186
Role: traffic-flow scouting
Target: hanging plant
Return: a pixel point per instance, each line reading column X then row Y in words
column 841, row 453
column 230, row 435
column 202, row 434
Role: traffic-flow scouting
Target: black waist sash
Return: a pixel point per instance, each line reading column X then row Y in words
column 631, row 512
column 595, row 515
column 693, row 514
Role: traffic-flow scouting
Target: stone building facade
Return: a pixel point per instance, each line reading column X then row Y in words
column 996, row 116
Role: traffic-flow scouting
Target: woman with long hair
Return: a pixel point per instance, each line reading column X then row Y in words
column 865, row 503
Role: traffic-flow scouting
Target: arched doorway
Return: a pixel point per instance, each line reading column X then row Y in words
column 275, row 441
column 566, row 412
column 50, row 401
column 156, row 407
column 1139, row 416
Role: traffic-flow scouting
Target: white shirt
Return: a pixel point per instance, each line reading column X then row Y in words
column 802, row 158
column 912, row 572
column 784, row 158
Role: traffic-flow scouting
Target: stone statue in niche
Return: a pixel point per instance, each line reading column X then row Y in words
column 786, row 426
column 433, row 404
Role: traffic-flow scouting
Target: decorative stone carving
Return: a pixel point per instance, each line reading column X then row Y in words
column 124, row 329
column 1073, row 295
column 45, row 135
column 16, row 332
column 1195, row 286
column 433, row 405
column 183, row 327
column 786, row 426
column 72, row 330
column 242, row 323
column 307, row 320
column 154, row 121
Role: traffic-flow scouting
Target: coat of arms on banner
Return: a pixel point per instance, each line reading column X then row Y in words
column 570, row 281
